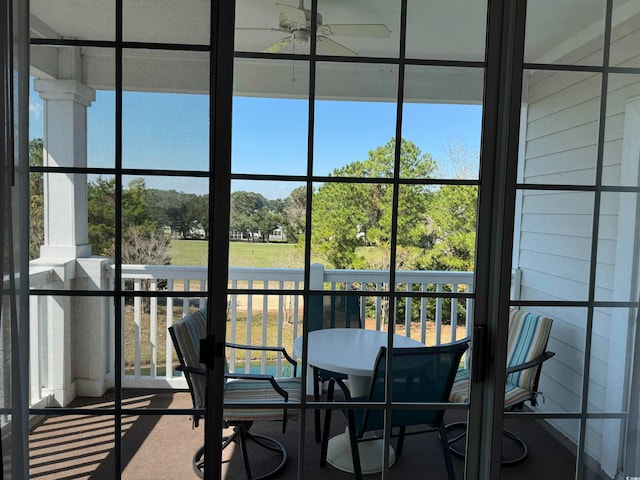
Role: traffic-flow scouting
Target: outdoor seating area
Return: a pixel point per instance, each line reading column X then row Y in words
column 401, row 203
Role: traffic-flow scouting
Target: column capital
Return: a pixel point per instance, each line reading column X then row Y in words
column 72, row 90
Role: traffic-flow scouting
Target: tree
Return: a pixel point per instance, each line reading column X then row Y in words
column 294, row 214
column 266, row 222
column 244, row 209
column 141, row 241
column 145, row 248
column 182, row 212
column 453, row 216
column 101, row 213
column 36, row 207
column 346, row 215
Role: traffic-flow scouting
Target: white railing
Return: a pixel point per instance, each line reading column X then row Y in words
column 252, row 317
column 256, row 312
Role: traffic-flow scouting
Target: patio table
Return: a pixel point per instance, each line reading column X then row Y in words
column 351, row 351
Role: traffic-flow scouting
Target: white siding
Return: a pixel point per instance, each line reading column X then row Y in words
column 563, row 111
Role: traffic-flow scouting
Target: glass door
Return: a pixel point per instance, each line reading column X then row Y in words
column 576, row 237
column 355, row 179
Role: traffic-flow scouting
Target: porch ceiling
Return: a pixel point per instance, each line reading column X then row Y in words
column 432, row 33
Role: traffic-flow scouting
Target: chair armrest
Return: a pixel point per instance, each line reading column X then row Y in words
column 256, row 376
column 267, row 348
column 198, row 371
column 536, row 361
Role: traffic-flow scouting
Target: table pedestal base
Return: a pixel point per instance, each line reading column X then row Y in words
column 339, row 454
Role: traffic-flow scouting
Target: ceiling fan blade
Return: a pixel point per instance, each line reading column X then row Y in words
column 327, row 46
column 276, row 47
column 377, row 30
column 293, row 14
column 258, row 29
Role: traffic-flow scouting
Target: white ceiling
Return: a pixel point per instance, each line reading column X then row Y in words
column 440, row 29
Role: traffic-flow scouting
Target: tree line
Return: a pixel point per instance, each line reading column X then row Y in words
column 434, row 228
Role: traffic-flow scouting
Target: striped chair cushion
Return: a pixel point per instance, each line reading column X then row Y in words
column 460, row 390
column 188, row 331
column 258, row 391
column 528, row 336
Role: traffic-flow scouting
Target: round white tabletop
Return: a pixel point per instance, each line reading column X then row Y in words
column 352, row 351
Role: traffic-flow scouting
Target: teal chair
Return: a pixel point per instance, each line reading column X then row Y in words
column 330, row 311
column 419, row 375
column 239, row 388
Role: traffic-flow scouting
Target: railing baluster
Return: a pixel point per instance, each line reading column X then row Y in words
column 454, row 313
column 265, row 324
column 186, row 301
column 280, row 325
column 168, row 343
column 407, row 311
column 153, row 331
column 234, row 324
column 247, row 358
column 438, row 315
column 296, row 315
column 423, row 315
column 137, row 327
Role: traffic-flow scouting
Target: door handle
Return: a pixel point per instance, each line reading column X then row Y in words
column 478, row 353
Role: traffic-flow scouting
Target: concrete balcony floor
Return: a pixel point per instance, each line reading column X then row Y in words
column 161, row 447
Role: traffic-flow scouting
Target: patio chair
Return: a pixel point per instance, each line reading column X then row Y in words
column 418, row 375
column 244, row 388
column 330, row 311
column 526, row 351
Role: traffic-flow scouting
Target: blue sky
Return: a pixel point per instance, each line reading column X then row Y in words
column 170, row 131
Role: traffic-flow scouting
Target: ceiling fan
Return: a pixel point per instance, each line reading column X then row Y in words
column 296, row 23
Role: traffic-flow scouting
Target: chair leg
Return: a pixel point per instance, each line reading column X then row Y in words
column 353, row 440
column 444, row 443
column 457, row 451
column 198, row 462
column 507, row 462
column 325, row 438
column 243, row 450
column 244, row 435
column 400, row 443
column 316, row 397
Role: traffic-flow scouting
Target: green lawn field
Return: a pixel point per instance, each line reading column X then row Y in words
column 241, row 254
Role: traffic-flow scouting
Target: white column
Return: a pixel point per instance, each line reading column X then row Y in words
column 65, row 145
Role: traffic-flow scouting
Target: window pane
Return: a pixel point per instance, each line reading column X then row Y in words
column 442, row 116
column 270, row 132
column 186, row 22
column 80, row 446
column 355, row 29
column 625, row 36
column 366, row 29
column 617, row 244
column 620, row 163
column 170, row 141
column 446, row 30
column 561, row 128
column 553, row 246
column 561, row 32
column 355, row 113
column 68, row 19
column 266, row 225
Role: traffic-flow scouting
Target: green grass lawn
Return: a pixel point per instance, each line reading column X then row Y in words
column 241, row 254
